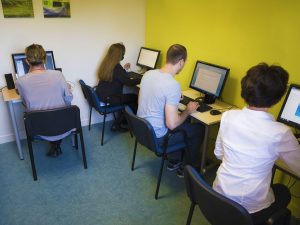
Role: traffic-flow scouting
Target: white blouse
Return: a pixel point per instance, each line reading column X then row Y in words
column 248, row 143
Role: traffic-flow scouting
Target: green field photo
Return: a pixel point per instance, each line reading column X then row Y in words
column 17, row 8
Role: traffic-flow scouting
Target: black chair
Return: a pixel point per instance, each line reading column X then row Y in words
column 103, row 108
column 145, row 135
column 53, row 122
column 218, row 209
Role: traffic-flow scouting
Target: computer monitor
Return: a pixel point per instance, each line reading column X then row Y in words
column 290, row 111
column 21, row 66
column 209, row 79
column 147, row 58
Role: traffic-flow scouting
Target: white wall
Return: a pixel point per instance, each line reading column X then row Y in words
column 78, row 43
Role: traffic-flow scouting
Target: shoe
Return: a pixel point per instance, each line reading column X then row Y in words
column 173, row 165
column 180, row 172
column 116, row 127
column 52, row 152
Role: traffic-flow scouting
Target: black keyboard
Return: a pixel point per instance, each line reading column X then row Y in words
column 134, row 75
column 203, row 107
column 185, row 100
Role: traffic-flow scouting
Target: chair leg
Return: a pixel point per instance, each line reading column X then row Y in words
column 32, row 159
column 90, row 117
column 189, row 219
column 76, row 140
column 134, row 153
column 103, row 128
column 83, row 150
column 159, row 176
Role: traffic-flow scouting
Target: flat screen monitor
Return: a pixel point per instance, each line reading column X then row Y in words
column 21, row 66
column 148, row 58
column 290, row 111
column 209, row 79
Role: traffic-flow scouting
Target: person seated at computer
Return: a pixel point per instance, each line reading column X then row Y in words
column 159, row 98
column 250, row 141
column 112, row 77
column 43, row 89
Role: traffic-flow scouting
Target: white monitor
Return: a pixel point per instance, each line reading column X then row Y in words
column 209, row 79
column 21, row 66
column 148, row 58
column 290, row 110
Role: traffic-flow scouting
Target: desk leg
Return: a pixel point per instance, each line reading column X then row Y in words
column 204, row 148
column 16, row 131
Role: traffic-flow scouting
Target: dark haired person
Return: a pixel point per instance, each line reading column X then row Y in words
column 43, row 89
column 159, row 98
column 112, row 78
column 250, row 141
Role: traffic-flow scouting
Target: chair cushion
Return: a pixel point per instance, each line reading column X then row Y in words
column 110, row 109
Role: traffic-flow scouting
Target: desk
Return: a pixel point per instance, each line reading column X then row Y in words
column 12, row 97
column 206, row 119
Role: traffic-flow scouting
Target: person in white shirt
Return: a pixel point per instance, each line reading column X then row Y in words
column 250, row 141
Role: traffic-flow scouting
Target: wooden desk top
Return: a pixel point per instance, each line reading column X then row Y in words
column 206, row 117
column 10, row 95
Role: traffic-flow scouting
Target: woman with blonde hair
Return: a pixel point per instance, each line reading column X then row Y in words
column 112, row 77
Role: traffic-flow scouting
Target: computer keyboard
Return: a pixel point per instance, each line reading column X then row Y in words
column 134, row 75
column 185, row 100
column 204, row 107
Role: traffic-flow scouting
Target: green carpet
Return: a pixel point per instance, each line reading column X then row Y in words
column 108, row 192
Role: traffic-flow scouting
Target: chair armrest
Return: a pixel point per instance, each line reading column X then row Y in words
column 277, row 215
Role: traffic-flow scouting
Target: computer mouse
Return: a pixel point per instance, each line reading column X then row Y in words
column 214, row 112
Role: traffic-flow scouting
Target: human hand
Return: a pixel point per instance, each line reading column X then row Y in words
column 192, row 107
column 127, row 66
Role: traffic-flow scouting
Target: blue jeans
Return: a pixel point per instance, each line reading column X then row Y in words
column 195, row 134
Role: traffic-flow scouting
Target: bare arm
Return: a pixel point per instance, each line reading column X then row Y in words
column 173, row 119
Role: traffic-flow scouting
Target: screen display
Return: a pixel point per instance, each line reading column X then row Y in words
column 148, row 58
column 21, row 66
column 290, row 110
column 209, row 78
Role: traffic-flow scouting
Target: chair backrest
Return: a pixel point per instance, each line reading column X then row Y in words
column 52, row 122
column 216, row 208
column 142, row 130
column 87, row 93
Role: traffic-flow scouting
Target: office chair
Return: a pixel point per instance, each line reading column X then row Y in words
column 145, row 135
column 53, row 122
column 218, row 209
column 102, row 108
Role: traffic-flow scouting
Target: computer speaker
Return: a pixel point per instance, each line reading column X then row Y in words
column 9, row 81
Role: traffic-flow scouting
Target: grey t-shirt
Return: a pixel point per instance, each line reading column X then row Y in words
column 48, row 90
column 156, row 90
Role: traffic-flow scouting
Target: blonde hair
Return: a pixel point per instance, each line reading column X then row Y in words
column 35, row 55
column 114, row 55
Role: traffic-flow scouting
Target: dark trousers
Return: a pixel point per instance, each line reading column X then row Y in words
column 127, row 99
column 282, row 199
column 195, row 134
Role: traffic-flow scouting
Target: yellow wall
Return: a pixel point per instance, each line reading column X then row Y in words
column 234, row 33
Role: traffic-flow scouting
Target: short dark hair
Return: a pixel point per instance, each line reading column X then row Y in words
column 175, row 53
column 264, row 85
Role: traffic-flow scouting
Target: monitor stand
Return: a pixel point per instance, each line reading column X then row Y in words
column 142, row 70
column 209, row 99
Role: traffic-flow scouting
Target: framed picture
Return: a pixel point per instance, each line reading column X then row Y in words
column 17, row 8
column 56, row 8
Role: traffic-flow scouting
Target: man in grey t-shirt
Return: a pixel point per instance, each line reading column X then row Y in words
column 159, row 97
